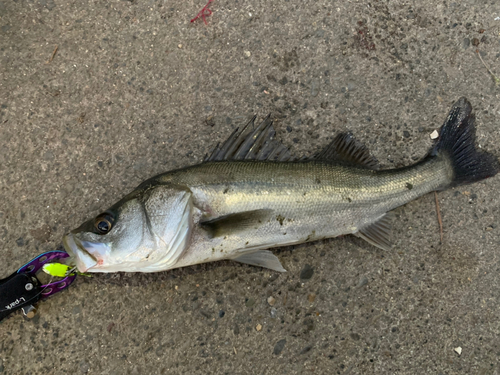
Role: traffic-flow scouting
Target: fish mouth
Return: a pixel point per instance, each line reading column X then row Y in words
column 84, row 260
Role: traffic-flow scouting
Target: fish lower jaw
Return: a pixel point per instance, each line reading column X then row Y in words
column 83, row 259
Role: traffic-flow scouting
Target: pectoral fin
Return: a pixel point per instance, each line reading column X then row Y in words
column 236, row 223
column 378, row 233
column 261, row 258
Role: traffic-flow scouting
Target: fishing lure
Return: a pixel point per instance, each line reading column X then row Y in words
column 23, row 289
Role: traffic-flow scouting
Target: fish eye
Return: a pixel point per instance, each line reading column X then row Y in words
column 103, row 223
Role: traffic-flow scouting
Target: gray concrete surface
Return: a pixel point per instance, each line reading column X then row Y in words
column 136, row 89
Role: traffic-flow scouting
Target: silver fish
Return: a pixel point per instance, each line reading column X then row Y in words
column 251, row 195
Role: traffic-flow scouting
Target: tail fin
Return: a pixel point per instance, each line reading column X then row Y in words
column 456, row 139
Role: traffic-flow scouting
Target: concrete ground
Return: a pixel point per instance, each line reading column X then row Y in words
column 135, row 89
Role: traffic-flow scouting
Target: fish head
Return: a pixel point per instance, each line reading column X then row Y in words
column 146, row 231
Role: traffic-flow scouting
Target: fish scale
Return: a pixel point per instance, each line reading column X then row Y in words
column 323, row 199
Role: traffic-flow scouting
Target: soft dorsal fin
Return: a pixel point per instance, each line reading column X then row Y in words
column 252, row 143
column 345, row 148
column 379, row 232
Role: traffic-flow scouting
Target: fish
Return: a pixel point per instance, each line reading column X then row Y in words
column 251, row 195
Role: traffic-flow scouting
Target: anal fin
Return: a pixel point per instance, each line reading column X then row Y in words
column 378, row 233
column 261, row 258
column 235, row 223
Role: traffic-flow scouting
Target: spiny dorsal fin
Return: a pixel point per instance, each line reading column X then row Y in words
column 378, row 233
column 252, row 143
column 345, row 148
column 234, row 223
